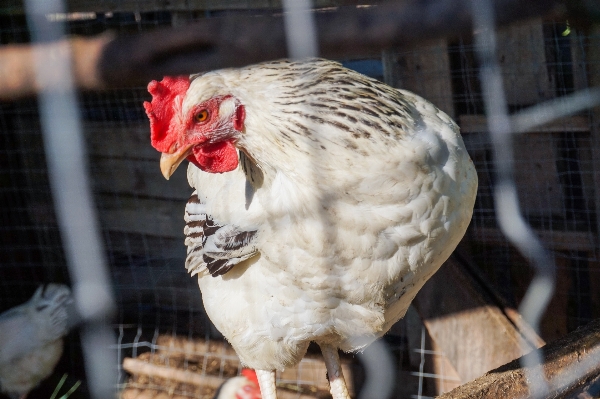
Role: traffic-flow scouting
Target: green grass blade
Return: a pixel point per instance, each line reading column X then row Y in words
column 60, row 384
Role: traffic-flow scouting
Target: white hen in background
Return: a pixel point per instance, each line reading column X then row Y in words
column 31, row 339
column 342, row 197
column 244, row 386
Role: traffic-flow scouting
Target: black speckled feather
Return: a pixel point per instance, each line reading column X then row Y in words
column 212, row 246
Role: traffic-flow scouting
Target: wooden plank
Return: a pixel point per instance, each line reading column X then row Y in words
column 521, row 53
column 510, row 289
column 116, row 140
column 554, row 239
column 554, row 322
column 595, row 287
column 312, row 371
column 162, row 285
column 102, row 6
column 449, row 378
column 538, row 155
column 467, row 323
column 536, row 175
column 424, row 71
column 139, row 177
column 504, row 299
column 577, row 123
column 309, row 373
column 140, row 367
column 148, row 216
column 585, row 161
column 578, row 55
column 579, row 348
column 137, row 245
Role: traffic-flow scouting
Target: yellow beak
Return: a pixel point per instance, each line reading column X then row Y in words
column 170, row 162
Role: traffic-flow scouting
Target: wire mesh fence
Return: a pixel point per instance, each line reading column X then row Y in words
column 158, row 306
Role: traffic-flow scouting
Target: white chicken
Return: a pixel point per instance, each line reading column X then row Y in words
column 244, row 386
column 324, row 201
column 31, row 339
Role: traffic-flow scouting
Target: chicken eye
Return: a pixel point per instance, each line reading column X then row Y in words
column 201, row 116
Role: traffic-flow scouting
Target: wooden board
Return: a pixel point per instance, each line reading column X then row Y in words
column 556, row 239
column 148, row 216
column 578, row 55
column 447, row 376
column 138, row 177
column 140, row 212
column 595, row 287
column 117, row 140
column 541, row 191
column 576, row 123
column 424, row 71
column 467, row 323
column 521, row 53
column 536, row 175
column 581, row 347
column 554, row 322
column 14, row 6
column 137, row 245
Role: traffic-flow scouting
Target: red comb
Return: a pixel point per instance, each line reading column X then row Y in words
column 251, row 375
column 167, row 97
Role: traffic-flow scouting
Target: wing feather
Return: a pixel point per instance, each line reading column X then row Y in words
column 212, row 247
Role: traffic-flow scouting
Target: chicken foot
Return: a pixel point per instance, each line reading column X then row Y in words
column 337, row 384
column 266, row 380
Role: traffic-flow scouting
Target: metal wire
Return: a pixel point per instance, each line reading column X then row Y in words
column 145, row 292
column 73, row 199
column 508, row 212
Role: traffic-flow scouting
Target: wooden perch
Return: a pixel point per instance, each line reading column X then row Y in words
column 570, row 364
column 135, row 366
column 190, row 367
column 234, row 41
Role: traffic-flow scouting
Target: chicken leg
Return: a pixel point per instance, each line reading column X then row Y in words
column 266, row 380
column 337, row 384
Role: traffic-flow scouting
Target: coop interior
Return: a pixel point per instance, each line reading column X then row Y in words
column 465, row 321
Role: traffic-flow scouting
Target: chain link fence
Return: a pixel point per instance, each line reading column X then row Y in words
column 551, row 169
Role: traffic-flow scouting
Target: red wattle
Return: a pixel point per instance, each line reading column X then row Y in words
column 215, row 158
